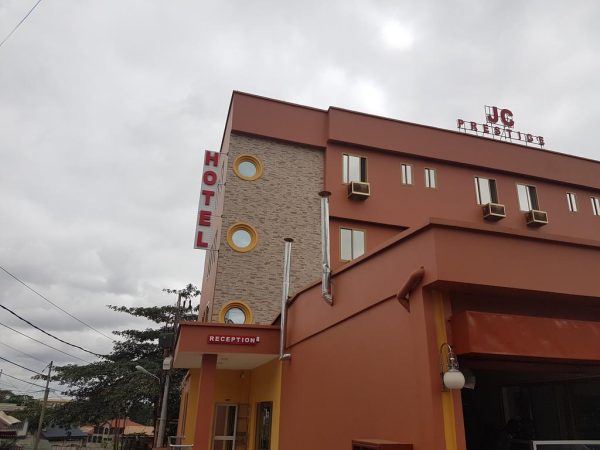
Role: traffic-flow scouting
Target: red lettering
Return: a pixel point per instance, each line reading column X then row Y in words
column 519, row 133
column 541, row 140
column 460, row 123
column 486, row 129
column 494, row 118
column 199, row 242
column 529, row 138
column 497, row 131
column 509, row 133
column 207, row 196
column 204, row 218
column 506, row 116
column 473, row 126
column 209, row 177
column 211, row 157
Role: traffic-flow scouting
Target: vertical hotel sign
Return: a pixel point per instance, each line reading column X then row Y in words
column 208, row 200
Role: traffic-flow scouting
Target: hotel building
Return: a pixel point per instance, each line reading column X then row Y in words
column 419, row 255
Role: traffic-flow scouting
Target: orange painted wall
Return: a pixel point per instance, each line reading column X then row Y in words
column 190, row 394
column 374, row 375
column 454, row 198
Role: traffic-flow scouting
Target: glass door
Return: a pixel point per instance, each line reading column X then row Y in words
column 224, row 430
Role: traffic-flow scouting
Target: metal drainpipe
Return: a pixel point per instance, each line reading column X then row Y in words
column 287, row 258
column 325, row 255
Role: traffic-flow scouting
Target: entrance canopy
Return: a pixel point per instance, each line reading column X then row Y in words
column 238, row 347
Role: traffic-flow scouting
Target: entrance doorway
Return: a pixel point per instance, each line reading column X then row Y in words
column 225, row 426
column 264, row 419
column 514, row 406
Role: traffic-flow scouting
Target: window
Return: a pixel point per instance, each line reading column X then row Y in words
column 485, row 190
column 527, row 197
column 247, row 167
column 241, row 237
column 430, row 178
column 407, row 177
column 354, row 168
column 595, row 205
column 235, row 312
column 352, row 244
column 264, row 414
column 572, row 202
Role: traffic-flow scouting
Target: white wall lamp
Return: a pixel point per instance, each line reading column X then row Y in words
column 452, row 377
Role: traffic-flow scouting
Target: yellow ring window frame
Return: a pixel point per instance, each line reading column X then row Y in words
column 249, row 159
column 242, row 227
column 236, row 304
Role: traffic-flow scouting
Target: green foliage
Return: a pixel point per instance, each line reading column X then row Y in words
column 112, row 387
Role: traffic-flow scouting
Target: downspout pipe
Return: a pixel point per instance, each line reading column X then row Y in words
column 325, row 254
column 287, row 260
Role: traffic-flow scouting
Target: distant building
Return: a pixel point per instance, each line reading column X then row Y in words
column 11, row 427
column 106, row 431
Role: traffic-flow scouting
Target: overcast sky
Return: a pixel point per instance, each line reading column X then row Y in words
column 106, row 108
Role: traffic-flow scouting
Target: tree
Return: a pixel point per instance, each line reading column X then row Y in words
column 111, row 388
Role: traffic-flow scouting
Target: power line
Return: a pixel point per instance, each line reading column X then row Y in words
column 19, row 365
column 55, row 305
column 20, row 351
column 4, row 374
column 47, row 345
column 50, row 334
column 19, row 24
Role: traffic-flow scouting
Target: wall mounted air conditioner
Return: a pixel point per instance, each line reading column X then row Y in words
column 359, row 190
column 536, row 218
column 493, row 211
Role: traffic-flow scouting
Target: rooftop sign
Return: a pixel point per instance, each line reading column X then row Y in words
column 499, row 125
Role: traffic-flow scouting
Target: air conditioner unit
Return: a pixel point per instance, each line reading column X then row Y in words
column 358, row 190
column 536, row 218
column 493, row 211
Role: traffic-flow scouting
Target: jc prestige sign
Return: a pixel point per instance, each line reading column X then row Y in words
column 233, row 340
column 499, row 125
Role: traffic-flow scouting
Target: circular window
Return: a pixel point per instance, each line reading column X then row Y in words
column 241, row 237
column 235, row 312
column 247, row 167
column 235, row 315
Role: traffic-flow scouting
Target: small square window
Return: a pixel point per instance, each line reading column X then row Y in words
column 527, row 197
column 485, row 191
column 354, row 168
column 407, row 177
column 595, row 205
column 352, row 244
column 572, row 201
column 430, row 181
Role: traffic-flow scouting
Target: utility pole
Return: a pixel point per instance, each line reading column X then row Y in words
column 39, row 430
column 162, row 423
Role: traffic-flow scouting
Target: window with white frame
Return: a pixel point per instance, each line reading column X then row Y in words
column 407, row 177
column 485, row 191
column 595, row 205
column 430, row 181
column 352, row 244
column 527, row 197
column 572, row 201
column 354, row 168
